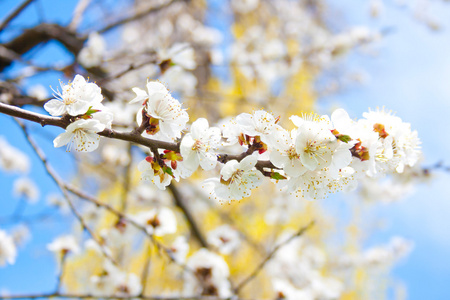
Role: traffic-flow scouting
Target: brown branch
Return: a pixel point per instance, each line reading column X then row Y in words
column 195, row 229
column 63, row 189
column 122, row 216
column 14, row 14
column 39, row 34
column 270, row 255
column 87, row 296
column 133, row 136
column 137, row 16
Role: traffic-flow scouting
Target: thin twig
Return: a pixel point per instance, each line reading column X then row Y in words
column 195, row 229
column 87, row 296
column 14, row 14
column 270, row 255
column 63, row 189
column 136, row 16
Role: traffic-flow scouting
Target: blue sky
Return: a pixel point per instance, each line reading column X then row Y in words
column 410, row 75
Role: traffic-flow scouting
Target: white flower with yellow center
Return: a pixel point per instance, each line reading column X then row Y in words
column 285, row 154
column 75, row 99
column 82, row 134
column 238, row 179
column 197, row 147
column 167, row 118
column 314, row 143
column 260, row 123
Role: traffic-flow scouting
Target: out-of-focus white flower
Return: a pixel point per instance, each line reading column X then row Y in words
column 113, row 281
column 8, row 250
column 92, row 54
column 38, row 91
column 244, row 6
column 180, row 249
column 224, row 238
column 284, row 290
column 198, row 146
column 180, row 80
column 82, row 134
column 64, row 244
column 75, row 99
column 237, row 179
column 210, row 276
column 21, row 235
column 26, row 188
column 12, row 159
column 326, row 287
column 180, row 55
column 157, row 221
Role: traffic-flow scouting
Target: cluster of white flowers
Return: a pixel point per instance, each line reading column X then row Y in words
column 163, row 116
column 81, row 100
column 378, row 256
column 113, row 281
column 295, row 272
column 320, row 155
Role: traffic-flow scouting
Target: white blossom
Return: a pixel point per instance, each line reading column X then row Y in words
column 224, row 238
column 237, row 179
column 75, row 99
column 198, row 146
column 152, row 171
column 92, row 54
column 8, row 250
column 314, row 143
column 260, row 123
column 82, row 134
column 285, row 156
column 64, row 244
column 12, row 159
column 179, row 249
column 157, row 221
column 167, row 118
column 26, row 188
column 210, row 276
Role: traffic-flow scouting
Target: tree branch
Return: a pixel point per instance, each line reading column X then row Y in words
column 270, row 255
column 133, row 136
column 195, row 229
column 137, row 16
column 40, row 34
column 14, row 14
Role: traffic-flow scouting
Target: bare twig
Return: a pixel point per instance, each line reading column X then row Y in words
column 63, row 189
column 14, row 14
column 41, row 33
column 270, row 255
column 78, row 14
column 87, row 296
column 195, row 229
column 137, row 16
